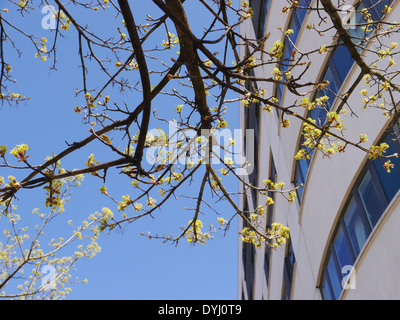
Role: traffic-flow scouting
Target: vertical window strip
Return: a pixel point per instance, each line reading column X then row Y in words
column 260, row 12
column 337, row 68
column 295, row 23
column 268, row 220
column 252, row 113
column 248, row 253
column 288, row 270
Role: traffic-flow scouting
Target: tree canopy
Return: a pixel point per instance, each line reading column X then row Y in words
column 156, row 95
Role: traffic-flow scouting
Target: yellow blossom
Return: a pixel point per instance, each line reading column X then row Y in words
column 269, row 201
column 221, row 221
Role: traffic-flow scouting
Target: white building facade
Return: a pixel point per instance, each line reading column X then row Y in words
column 345, row 220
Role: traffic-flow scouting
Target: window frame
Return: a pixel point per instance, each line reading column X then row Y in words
column 341, row 223
column 288, row 271
column 269, row 219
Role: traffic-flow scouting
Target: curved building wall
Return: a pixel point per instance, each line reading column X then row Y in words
column 315, row 219
column 376, row 271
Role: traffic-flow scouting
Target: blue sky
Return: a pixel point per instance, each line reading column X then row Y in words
column 129, row 266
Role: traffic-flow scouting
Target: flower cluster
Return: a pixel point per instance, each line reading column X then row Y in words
column 172, row 41
column 377, row 151
column 106, row 215
column 194, row 232
column 20, row 152
column 277, row 49
column 280, row 233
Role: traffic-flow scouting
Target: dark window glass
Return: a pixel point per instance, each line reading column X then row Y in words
column 260, row 12
column 296, row 20
column 252, row 115
column 377, row 8
column 267, row 256
column 270, row 209
column 299, row 180
column 396, row 131
column 390, row 181
column 342, row 60
column 319, row 114
column 301, row 13
column 269, row 219
column 248, row 259
column 333, row 84
column 342, row 249
column 263, row 17
column 288, row 270
column 334, row 277
column 287, row 56
column 279, row 93
column 355, row 30
column 356, row 226
column 331, row 98
column 255, row 5
column 326, row 288
column 296, row 26
column 304, row 166
column 286, row 292
column 244, row 254
column 291, row 261
column 371, row 199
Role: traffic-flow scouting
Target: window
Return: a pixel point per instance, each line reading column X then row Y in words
column 332, row 271
column 288, row 271
column 299, row 180
column 327, row 287
column 337, row 69
column 248, row 259
column 342, row 61
column 252, row 119
column 296, row 20
column 342, row 249
column 354, row 220
column 390, row 182
column 269, row 220
column 335, row 75
column 377, row 7
column 301, row 174
column 369, row 198
column 260, row 13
